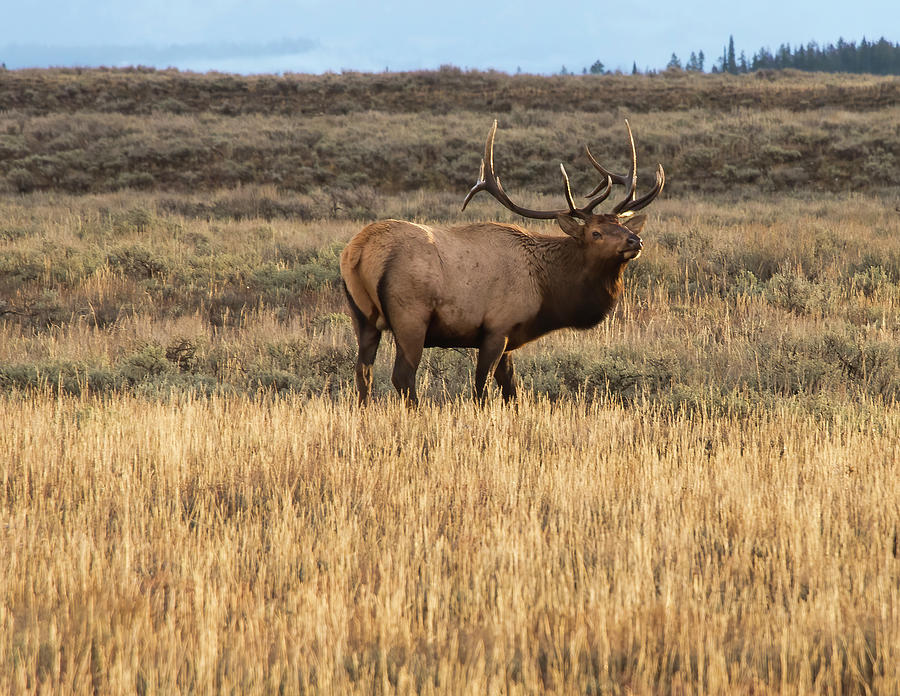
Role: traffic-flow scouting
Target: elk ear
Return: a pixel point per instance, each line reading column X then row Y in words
column 570, row 226
column 636, row 223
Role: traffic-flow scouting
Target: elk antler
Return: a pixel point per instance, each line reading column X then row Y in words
column 490, row 182
column 629, row 204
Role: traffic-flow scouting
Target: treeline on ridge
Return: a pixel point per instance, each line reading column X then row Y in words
column 869, row 57
column 875, row 57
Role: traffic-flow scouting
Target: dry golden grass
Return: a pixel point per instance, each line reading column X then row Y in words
column 257, row 545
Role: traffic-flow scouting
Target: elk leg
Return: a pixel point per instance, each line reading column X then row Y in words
column 410, row 341
column 368, row 338
column 489, row 355
column 404, row 377
column 505, row 375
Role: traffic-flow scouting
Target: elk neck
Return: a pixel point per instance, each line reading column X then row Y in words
column 577, row 292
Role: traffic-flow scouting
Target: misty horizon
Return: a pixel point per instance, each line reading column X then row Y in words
column 322, row 36
column 279, row 56
column 33, row 55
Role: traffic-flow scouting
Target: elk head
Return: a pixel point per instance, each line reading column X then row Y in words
column 614, row 236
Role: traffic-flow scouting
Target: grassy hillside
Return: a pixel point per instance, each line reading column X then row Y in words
column 698, row 495
column 148, row 91
column 714, row 133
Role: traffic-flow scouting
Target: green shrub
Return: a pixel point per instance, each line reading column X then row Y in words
column 276, row 380
column 133, row 180
column 621, row 372
column 171, row 105
column 185, row 354
column 871, row 281
column 21, row 180
column 145, row 364
column 69, row 377
column 136, row 260
column 795, row 293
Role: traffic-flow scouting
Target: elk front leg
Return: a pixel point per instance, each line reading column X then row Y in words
column 489, row 355
column 404, row 378
column 409, row 337
column 506, row 377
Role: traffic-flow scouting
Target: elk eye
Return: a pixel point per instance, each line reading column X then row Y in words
column 597, row 235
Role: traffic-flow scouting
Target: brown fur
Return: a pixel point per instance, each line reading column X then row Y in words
column 489, row 286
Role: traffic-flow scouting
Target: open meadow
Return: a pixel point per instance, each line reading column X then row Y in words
column 701, row 495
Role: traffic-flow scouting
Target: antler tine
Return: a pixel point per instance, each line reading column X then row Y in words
column 480, row 185
column 568, row 191
column 648, row 197
column 490, row 182
column 602, row 197
column 632, row 182
column 487, row 164
column 615, row 178
column 488, row 159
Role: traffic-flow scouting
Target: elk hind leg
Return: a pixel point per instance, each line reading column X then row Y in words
column 368, row 338
column 490, row 352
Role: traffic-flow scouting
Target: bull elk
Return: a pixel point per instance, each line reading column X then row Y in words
column 491, row 286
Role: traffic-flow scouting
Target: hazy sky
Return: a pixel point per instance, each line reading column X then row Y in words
column 322, row 35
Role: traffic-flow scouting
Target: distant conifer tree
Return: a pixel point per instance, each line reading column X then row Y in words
column 881, row 57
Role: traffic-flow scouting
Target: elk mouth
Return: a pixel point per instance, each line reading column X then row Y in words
column 632, row 249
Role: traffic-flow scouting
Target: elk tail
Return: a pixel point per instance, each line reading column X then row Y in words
column 357, row 313
column 363, row 299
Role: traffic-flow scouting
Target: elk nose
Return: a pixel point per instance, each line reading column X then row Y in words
column 634, row 242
